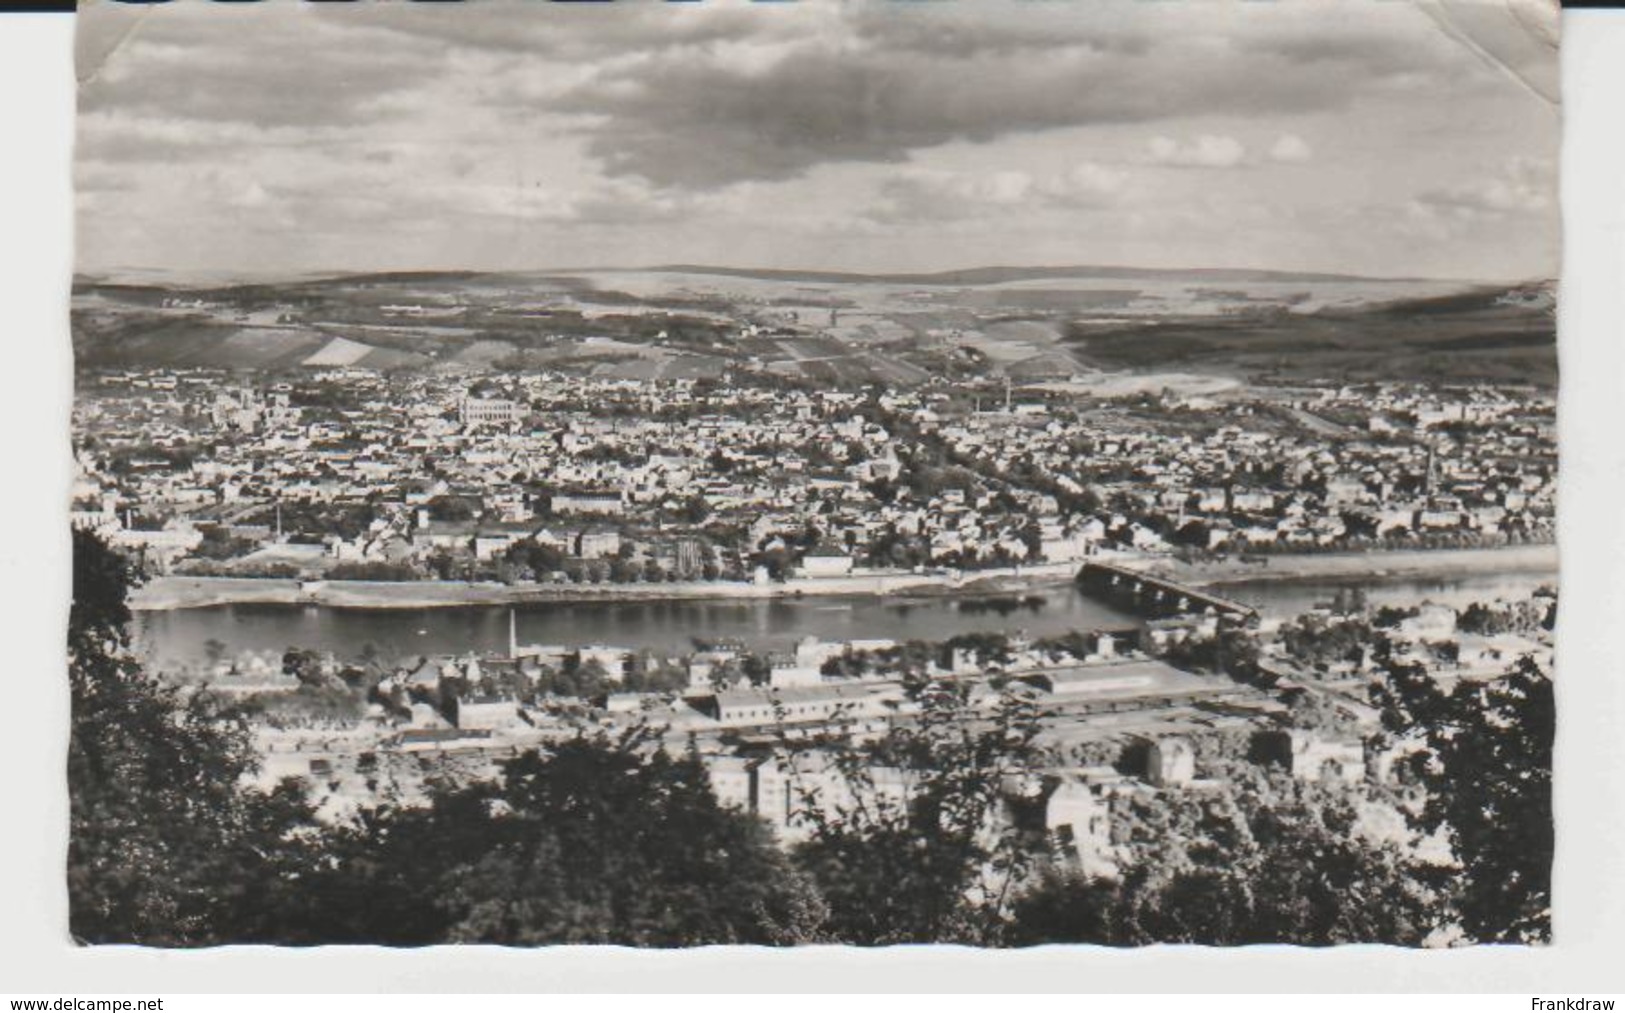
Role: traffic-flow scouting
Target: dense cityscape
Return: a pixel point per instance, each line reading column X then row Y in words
column 564, row 480
column 825, row 475
column 343, row 487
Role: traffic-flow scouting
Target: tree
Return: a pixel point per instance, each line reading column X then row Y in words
column 1268, row 863
column 304, row 665
column 695, row 510
column 598, row 840
column 214, row 650
column 1194, row 533
column 165, row 847
column 219, row 543
column 454, row 508
column 1321, row 641
column 943, row 866
column 1486, row 763
column 1032, row 536
column 1068, row 907
column 1231, row 651
column 541, row 560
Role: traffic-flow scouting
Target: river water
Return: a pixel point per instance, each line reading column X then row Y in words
column 183, row 638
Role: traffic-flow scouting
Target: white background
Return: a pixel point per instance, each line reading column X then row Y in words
column 36, row 130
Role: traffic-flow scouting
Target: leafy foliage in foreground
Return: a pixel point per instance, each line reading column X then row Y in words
column 1234, row 871
column 944, row 867
column 1485, row 758
column 598, row 841
column 165, row 845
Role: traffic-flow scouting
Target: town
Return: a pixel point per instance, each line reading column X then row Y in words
column 813, row 475
column 566, row 480
column 341, row 485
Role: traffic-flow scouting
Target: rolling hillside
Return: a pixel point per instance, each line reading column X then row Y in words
column 1026, row 323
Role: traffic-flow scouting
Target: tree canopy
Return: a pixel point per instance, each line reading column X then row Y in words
column 166, row 845
column 598, row 840
column 1483, row 751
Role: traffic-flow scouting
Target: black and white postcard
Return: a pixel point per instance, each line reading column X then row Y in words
column 670, row 474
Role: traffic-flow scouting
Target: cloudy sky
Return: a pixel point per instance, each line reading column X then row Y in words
column 1377, row 137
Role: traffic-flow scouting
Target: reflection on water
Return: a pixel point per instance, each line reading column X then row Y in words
column 181, row 637
column 189, row 636
column 1004, row 605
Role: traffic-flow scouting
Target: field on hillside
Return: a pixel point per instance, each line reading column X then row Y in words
column 1478, row 335
column 1041, row 326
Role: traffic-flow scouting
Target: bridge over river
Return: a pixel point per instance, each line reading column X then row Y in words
column 1157, row 597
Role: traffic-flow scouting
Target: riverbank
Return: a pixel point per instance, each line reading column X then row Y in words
column 179, row 592
column 1417, row 563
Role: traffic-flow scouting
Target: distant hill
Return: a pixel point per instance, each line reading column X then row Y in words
column 1005, row 275
column 1491, row 333
column 1025, row 322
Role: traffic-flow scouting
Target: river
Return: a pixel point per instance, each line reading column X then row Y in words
column 181, row 638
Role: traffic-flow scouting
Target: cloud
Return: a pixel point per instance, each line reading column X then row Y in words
column 707, row 95
column 1085, row 181
column 1209, row 151
column 1522, row 186
column 251, row 196
column 254, row 64
column 919, row 195
column 503, row 132
column 1291, row 149
column 926, row 195
column 1220, row 151
column 872, row 88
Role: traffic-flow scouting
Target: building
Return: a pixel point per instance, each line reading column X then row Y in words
column 1091, row 680
column 95, row 513
column 825, row 562
column 485, row 712
column 799, row 704
column 483, row 411
column 612, row 660
column 494, row 540
column 786, row 671
column 1170, row 762
column 733, row 780
column 1312, row 757
column 597, row 543
column 1080, row 819
column 792, row 793
column 690, row 555
column 597, row 502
